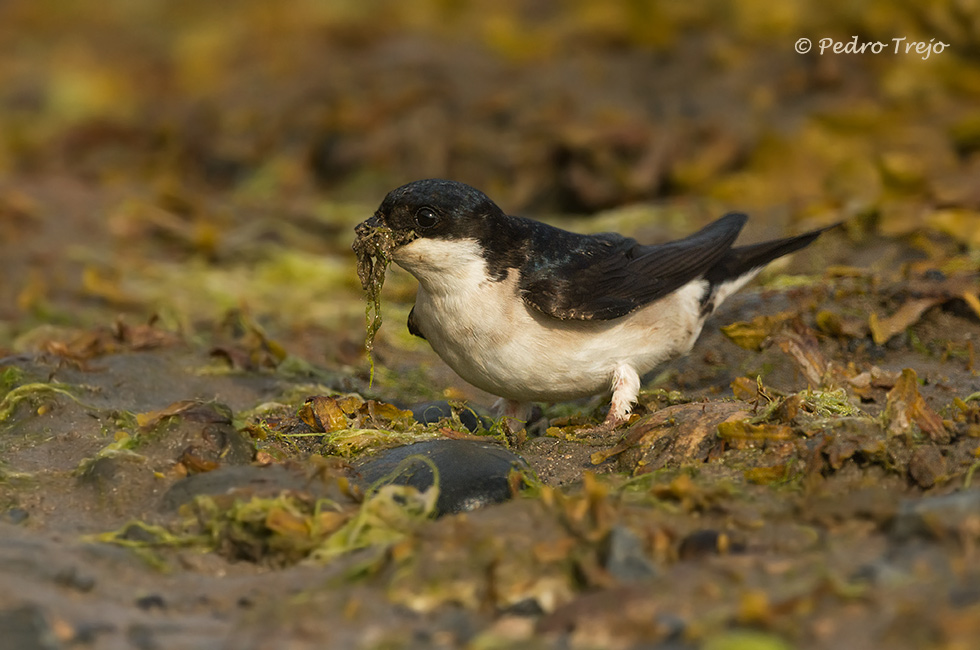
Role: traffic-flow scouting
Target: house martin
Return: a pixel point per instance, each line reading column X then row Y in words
column 533, row 313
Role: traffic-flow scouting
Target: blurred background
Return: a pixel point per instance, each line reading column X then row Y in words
column 186, row 160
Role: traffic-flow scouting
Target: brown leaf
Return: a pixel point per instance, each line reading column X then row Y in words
column 150, row 418
column 882, row 329
column 742, row 433
column 305, row 413
column 194, row 464
column 252, row 348
column 767, row 475
column 105, row 284
column 327, row 414
column 675, row 432
column 906, row 406
column 745, row 389
column 972, row 298
column 752, row 334
column 190, row 409
column 143, row 337
column 831, row 323
column 864, row 384
column 802, row 347
column 961, row 224
column 787, row 409
column 282, row 521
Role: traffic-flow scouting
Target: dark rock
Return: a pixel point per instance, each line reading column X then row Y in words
column 624, row 557
column 526, row 607
column 430, row 412
column 151, row 601
column 938, row 517
column 472, row 474
column 27, row 628
column 899, row 341
column 458, row 624
column 15, row 515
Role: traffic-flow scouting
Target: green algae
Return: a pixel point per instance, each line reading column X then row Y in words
column 373, row 248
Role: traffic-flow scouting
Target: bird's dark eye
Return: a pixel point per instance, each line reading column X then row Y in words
column 426, row 217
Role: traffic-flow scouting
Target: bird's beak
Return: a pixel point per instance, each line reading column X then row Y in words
column 367, row 226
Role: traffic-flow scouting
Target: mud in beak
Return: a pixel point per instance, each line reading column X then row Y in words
column 369, row 225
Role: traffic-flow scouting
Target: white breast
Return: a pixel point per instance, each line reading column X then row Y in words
column 485, row 332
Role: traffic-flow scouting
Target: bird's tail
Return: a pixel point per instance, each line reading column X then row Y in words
column 739, row 265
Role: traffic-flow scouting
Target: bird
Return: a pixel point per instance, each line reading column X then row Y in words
column 531, row 313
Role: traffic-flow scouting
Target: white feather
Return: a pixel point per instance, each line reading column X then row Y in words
column 493, row 340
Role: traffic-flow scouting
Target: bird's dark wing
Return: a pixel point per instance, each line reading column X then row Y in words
column 601, row 277
column 413, row 325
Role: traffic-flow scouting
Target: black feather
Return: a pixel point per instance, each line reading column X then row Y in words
column 413, row 325
column 744, row 259
column 606, row 276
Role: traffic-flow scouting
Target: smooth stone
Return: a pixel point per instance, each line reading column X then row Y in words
column 624, row 557
column 431, row 412
column 472, row 473
column 15, row 515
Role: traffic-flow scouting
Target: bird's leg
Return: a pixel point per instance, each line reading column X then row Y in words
column 515, row 413
column 625, row 387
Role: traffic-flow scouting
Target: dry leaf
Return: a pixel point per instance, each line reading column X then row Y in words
column 742, row 433
column 327, row 414
column 907, row 315
column 752, row 334
column 906, row 406
column 802, row 347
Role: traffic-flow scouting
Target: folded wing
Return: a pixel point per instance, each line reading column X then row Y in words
column 601, row 277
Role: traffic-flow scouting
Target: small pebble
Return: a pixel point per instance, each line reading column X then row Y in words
column 624, row 556
column 431, row 412
column 14, row 515
column 151, row 601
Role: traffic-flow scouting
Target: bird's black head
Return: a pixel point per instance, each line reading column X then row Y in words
column 434, row 208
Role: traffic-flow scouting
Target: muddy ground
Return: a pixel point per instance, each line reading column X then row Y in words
column 178, row 190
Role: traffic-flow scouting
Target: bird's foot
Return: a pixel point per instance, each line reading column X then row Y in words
column 602, row 432
column 514, row 417
column 626, row 386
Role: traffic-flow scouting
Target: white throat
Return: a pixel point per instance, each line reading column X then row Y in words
column 444, row 266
